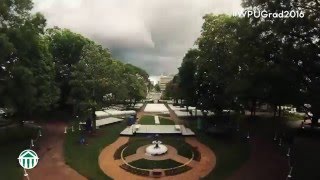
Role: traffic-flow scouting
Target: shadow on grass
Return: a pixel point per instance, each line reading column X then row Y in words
column 13, row 140
column 84, row 158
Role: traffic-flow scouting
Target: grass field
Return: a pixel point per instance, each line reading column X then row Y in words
column 148, row 164
column 164, row 121
column 149, row 120
column 12, row 142
column 84, row 158
column 231, row 152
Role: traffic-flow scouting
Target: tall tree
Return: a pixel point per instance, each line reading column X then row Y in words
column 157, row 88
column 66, row 48
column 215, row 66
column 27, row 69
column 298, row 39
column 187, row 77
column 90, row 78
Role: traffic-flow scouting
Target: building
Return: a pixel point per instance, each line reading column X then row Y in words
column 163, row 81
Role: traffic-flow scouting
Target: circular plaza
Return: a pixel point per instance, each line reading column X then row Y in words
column 156, row 146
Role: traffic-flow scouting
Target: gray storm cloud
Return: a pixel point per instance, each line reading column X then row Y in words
column 152, row 34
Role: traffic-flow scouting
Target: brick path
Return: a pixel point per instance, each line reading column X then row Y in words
column 51, row 164
column 112, row 168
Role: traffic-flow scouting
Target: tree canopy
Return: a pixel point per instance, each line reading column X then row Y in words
column 42, row 69
column 239, row 62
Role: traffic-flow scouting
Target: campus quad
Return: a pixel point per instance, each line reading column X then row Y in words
column 221, row 89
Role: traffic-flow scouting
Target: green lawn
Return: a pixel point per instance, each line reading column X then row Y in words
column 165, row 121
column 231, row 152
column 149, row 164
column 84, row 158
column 12, row 142
column 149, row 120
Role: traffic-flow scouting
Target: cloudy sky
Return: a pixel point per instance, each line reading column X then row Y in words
column 152, row 34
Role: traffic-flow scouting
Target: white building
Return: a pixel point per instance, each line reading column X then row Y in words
column 164, row 80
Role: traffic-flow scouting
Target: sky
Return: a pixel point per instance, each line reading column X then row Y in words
column 151, row 34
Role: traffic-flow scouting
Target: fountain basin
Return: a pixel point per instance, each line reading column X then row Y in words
column 155, row 150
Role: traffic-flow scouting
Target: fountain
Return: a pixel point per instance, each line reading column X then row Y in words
column 156, row 149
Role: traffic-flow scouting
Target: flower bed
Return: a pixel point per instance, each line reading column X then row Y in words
column 117, row 154
column 197, row 154
column 176, row 171
column 135, row 171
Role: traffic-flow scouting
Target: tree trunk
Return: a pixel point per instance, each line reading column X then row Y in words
column 94, row 124
column 21, row 123
column 275, row 112
column 279, row 111
column 254, row 108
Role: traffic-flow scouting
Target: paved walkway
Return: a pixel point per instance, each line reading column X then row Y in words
column 112, row 167
column 51, row 164
column 174, row 117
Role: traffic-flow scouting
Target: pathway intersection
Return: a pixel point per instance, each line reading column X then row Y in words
column 201, row 168
column 52, row 163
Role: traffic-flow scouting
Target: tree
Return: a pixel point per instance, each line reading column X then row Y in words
column 138, row 82
column 298, row 39
column 157, row 88
column 187, row 77
column 216, row 67
column 137, row 88
column 97, row 75
column 27, row 69
column 90, row 78
column 66, row 48
column 172, row 90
